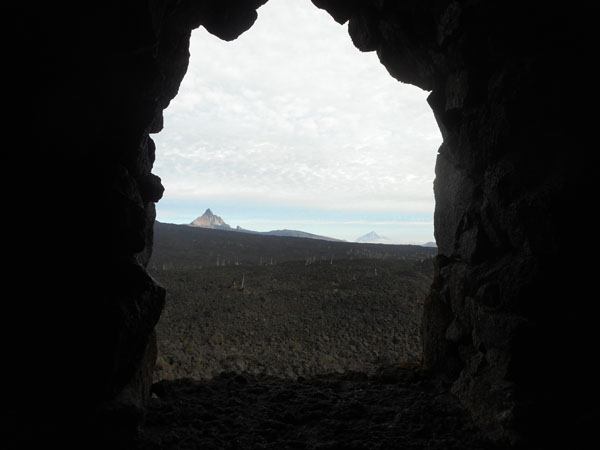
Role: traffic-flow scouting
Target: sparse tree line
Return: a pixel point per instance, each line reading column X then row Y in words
column 269, row 261
column 314, row 260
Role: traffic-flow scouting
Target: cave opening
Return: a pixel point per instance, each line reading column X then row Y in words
column 290, row 126
column 508, row 326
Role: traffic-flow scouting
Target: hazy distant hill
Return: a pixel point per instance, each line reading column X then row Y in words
column 299, row 234
column 373, row 238
column 288, row 233
column 189, row 246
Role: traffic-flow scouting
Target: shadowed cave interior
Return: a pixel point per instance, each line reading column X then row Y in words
column 508, row 325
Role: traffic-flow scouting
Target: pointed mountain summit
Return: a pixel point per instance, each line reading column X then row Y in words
column 209, row 220
column 373, row 238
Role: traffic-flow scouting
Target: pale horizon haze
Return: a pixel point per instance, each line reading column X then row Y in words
column 291, row 127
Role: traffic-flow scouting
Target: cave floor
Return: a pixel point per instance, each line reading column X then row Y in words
column 397, row 408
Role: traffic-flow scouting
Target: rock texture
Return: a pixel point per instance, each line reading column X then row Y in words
column 395, row 408
column 509, row 317
column 291, row 319
column 505, row 308
column 86, row 87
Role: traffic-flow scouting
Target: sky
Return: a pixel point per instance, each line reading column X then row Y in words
column 291, row 127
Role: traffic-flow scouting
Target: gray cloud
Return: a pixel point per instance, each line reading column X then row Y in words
column 292, row 112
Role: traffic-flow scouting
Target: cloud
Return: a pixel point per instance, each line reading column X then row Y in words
column 292, row 113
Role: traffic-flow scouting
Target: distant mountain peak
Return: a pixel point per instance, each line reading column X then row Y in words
column 372, row 238
column 209, row 220
column 373, row 234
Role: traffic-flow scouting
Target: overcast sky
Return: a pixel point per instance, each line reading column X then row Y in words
column 290, row 126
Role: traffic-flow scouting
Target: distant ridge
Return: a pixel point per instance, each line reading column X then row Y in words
column 214, row 222
column 187, row 246
column 288, row 233
column 301, row 234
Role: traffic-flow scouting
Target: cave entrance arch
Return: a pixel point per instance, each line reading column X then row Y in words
column 513, row 172
column 270, row 118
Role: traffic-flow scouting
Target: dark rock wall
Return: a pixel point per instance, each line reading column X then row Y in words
column 85, row 85
column 509, row 317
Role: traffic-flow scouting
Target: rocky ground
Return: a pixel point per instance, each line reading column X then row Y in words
column 395, row 408
column 291, row 319
column 317, row 356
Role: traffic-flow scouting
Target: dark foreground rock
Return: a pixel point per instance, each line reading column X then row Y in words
column 397, row 408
